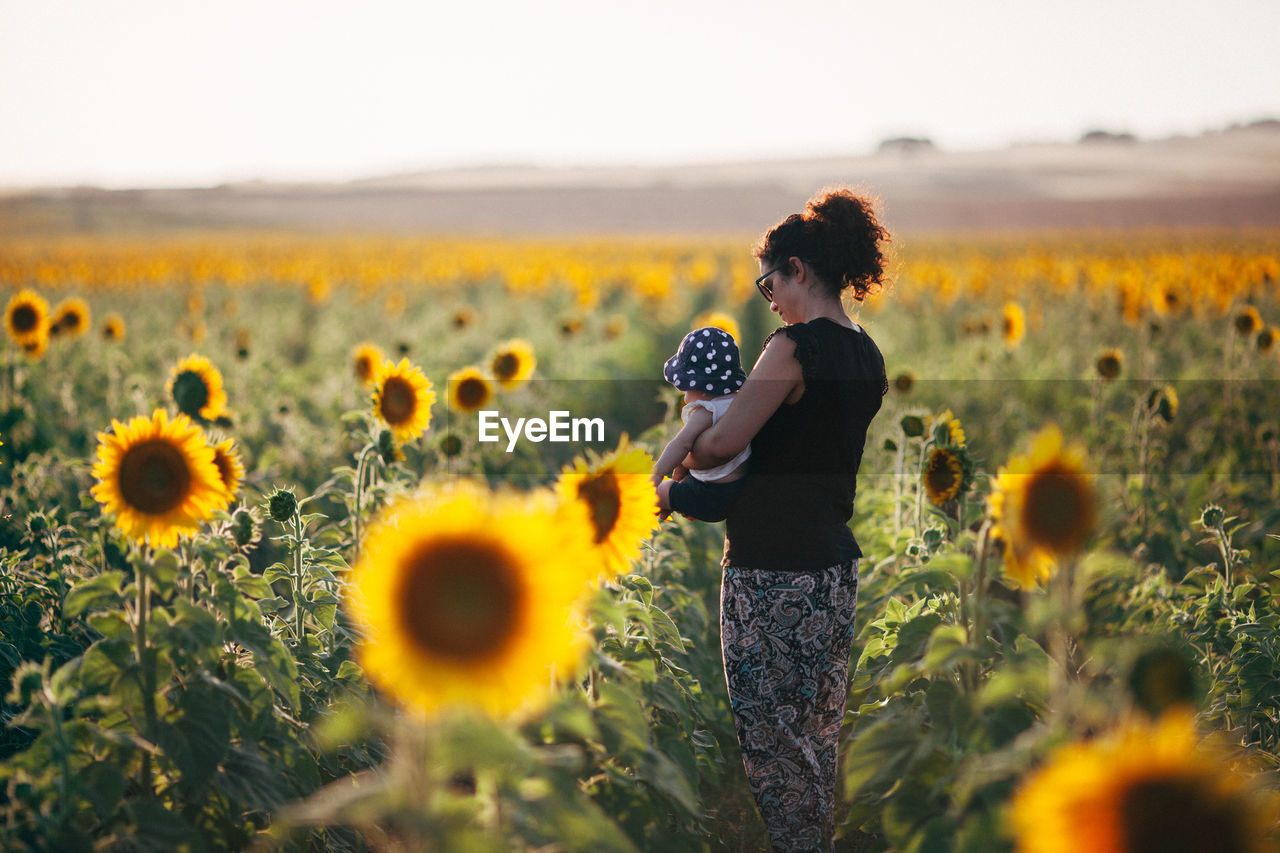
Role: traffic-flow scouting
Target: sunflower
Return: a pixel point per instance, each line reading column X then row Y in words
column 70, row 318
column 718, row 320
column 621, row 502
column 1163, row 402
column 158, row 477
column 512, row 363
column 904, row 382
column 196, row 387
column 366, row 358
column 570, row 326
column 954, row 434
column 1043, row 507
column 1110, row 362
column 26, row 318
column 230, row 468
column 1145, row 786
column 467, row 597
column 402, row 399
column 113, row 327
column 1014, row 326
column 615, row 327
column 463, row 317
column 35, row 347
column 1248, row 321
column 469, row 390
column 943, row 476
column 1266, row 339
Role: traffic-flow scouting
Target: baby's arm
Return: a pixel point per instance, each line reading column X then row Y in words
column 678, row 447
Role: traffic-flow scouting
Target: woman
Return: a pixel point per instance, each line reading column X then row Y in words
column 790, row 560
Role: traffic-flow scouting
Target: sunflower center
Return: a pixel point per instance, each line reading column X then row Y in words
column 471, row 393
column 1171, row 815
column 398, row 401
column 461, row 600
column 24, row 319
column 506, row 365
column 602, row 496
column 190, row 392
column 1057, row 510
column 154, row 477
column 943, row 475
column 364, row 367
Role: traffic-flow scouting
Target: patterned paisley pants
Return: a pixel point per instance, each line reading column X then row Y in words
column 786, row 638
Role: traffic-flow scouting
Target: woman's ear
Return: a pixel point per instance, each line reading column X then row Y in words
column 796, row 269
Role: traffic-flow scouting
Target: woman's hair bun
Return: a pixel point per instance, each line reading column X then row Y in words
column 839, row 236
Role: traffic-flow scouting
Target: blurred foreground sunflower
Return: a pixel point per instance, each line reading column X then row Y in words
column 469, row 598
column 1248, row 321
column 196, row 388
column 26, row 317
column 1144, row 787
column 469, row 390
column 402, row 399
column 158, row 477
column 620, row 499
column 1043, row 507
column 512, row 363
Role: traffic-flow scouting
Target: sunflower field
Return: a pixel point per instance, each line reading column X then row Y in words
column 348, row 542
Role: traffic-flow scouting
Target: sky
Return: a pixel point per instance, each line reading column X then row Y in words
column 121, row 93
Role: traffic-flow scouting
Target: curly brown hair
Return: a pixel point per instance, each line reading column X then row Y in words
column 838, row 235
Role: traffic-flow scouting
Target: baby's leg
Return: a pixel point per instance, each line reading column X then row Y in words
column 664, row 489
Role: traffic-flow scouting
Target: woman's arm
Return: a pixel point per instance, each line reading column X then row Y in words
column 678, row 447
column 774, row 380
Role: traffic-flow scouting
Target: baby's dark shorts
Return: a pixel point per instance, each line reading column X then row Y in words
column 704, row 501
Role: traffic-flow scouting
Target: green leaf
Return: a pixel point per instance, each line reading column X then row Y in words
column 95, row 593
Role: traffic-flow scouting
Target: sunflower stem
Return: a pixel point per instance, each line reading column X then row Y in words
column 1060, row 674
column 355, row 513
column 143, row 612
column 299, row 625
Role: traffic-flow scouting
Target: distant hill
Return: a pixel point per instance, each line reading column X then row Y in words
column 1229, row 179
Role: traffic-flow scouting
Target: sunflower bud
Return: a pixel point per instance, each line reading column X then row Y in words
column 912, row 426
column 244, row 527
column 1163, row 402
column 917, row 551
column 941, row 432
column 1212, row 516
column 27, row 682
column 932, row 538
column 387, row 448
column 37, row 523
column 282, row 505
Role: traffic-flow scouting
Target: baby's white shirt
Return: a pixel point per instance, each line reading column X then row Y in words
column 717, row 406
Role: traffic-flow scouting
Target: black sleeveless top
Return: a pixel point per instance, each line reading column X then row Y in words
column 797, row 498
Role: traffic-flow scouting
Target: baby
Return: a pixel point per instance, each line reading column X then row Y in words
column 707, row 369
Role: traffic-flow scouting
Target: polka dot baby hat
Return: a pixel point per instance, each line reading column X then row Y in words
column 707, row 361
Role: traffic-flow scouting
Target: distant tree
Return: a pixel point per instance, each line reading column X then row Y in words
column 905, row 144
column 1095, row 136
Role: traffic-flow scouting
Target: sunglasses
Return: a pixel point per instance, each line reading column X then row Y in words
column 766, row 290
